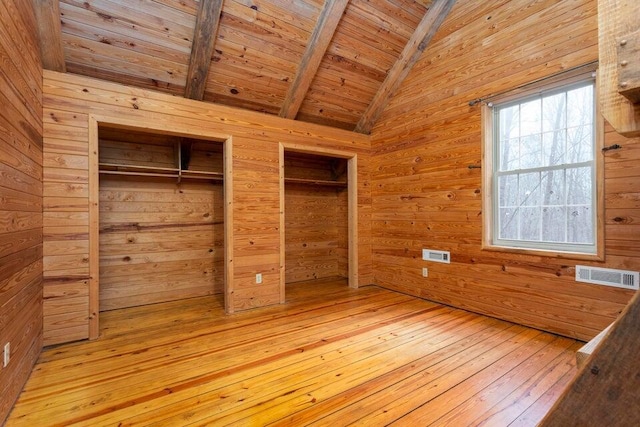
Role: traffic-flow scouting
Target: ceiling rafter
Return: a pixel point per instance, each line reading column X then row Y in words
column 204, row 37
column 317, row 46
column 50, row 34
column 418, row 42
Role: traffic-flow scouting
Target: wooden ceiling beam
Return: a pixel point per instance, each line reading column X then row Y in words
column 418, row 42
column 50, row 34
column 317, row 46
column 617, row 23
column 204, row 38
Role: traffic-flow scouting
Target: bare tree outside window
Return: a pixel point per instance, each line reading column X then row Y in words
column 545, row 170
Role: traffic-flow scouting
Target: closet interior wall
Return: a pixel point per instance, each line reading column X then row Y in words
column 161, row 223
column 316, row 217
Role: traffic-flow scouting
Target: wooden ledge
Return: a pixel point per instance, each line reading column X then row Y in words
column 586, row 350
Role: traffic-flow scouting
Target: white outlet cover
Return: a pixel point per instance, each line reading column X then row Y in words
column 7, row 355
column 425, row 272
column 259, row 278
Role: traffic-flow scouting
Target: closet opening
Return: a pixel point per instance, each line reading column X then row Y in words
column 318, row 216
column 160, row 217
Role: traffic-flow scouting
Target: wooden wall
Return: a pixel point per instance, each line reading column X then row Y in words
column 342, row 214
column 315, row 228
column 255, row 186
column 21, row 218
column 159, row 241
column 425, row 196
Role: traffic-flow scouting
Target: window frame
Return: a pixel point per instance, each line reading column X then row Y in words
column 544, row 87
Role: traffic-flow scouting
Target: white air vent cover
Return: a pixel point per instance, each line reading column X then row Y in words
column 437, row 256
column 607, row 276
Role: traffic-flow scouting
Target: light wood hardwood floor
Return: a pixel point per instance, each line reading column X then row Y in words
column 330, row 356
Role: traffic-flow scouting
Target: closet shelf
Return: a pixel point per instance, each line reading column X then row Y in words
column 191, row 174
column 319, row 182
column 137, row 170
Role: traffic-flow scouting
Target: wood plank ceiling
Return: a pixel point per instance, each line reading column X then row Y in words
column 334, row 63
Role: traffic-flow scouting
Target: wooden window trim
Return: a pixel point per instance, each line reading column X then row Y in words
column 488, row 166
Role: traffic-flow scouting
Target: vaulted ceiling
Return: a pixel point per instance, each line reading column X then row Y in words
column 333, row 62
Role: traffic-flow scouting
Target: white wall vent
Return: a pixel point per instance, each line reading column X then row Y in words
column 437, row 256
column 608, row 276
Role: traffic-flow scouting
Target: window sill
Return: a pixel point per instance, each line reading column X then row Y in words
column 544, row 253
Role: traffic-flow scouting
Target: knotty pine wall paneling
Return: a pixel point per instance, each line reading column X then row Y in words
column 159, row 240
column 21, row 219
column 66, row 234
column 425, row 196
column 253, row 187
column 342, row 215
column 312, row 233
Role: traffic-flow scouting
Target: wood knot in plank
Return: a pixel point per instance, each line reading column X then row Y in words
column 104, row 16
column 409, row 197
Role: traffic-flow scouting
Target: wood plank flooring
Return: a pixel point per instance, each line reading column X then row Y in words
column 330, row 356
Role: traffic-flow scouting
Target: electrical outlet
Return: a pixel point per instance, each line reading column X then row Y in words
column 258, row 278
column 7, row 355
column 425, row 272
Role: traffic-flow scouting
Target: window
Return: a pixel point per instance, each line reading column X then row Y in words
column 541, row 150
